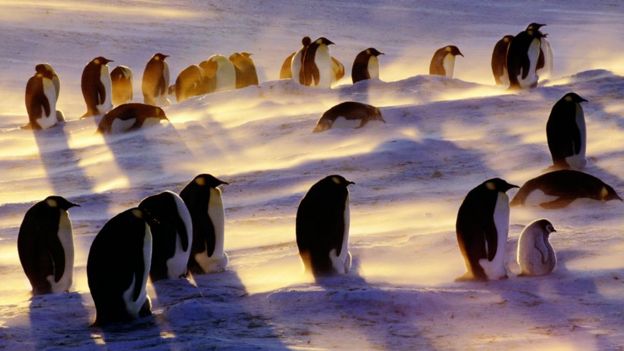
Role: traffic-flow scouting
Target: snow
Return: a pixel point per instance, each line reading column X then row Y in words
column 442, row 138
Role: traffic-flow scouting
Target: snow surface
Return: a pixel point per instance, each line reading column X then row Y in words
column 443, row 137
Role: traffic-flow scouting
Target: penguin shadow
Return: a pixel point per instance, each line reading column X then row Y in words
column 60, row 321
column 213, row 138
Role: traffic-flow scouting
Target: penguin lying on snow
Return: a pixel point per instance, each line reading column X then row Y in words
column 129, row 117
column 535, row 254
column 96, row 87
column 42, row 91
column 366, row 65
column 566, row 133
column 482, row 228
column 443, row 61
column 45, row 245
column 348, row 111
column 121, row 79
column 559, row 188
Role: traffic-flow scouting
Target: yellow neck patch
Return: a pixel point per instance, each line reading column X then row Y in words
column 137, row 213
column 568, row 98
column 335, row 180
column 52, row 203
column 96, row 61
column 604, row 193
column 490, row 186
column 200, row 181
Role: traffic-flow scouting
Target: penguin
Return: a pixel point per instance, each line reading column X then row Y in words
column 189, row 83
column 316, row 68
column 96, row 87
column 117, row 268
column 482, row 228
column 366, row 65
column 246, row 74
column 443, row 61
column 45, row 246
column 499, row 60
column 558, row 189
column 43, row 67
column 156, row 81
column 172, row 235
column 535, row 254
column 338, row 70
column 40, row 99
column 202, row 196
column 296, row 61
column 222, row 71
column 322, row 227
column 132, row 116
column 566, row 132
column 348, row 111
column 121, row 79
column 523, row 56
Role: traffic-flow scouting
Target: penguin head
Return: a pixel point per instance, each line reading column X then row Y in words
column 160, row 57
column 453, row 50
column 305, row 41
column 246, row 54
column 59, row 202
column 608, row 193
column 508, row 38
column 159, row 113
column 373, row 52
column 100, row 60
column 498, row 185
column 545, row 226
column 323, row 41
column 45, row 70
column 336, row 180
column 533, row 30
column 376, row 113
column 207, row 181
column 573, row 97
column 534, row 26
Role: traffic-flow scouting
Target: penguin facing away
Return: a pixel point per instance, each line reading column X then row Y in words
column 117, row 268
column 128, row 117
column 96, row 87
column 482, row 228
column 366, row 65
column 45, row 246
column 322, row 227
column 535, row 254
column 189, row 83
column 202, row 197
column 121, row 79
column 317, row 70
column 222, row 71
column 246, row 74
column 560, row 188
column 443, row 61
column 156, row 81
column 566, row 132
column 523, row 56
column 172, row 235
column 348, row 111
column 499, row 60
column 40, row 100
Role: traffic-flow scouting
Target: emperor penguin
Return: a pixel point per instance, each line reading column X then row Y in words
column 366, row 65
column 156, row 81
column 322, row 227
column 246, row 74
column 295, row 63
column 222, row 71
column 45, row 246
column 522, row 57
column 128, row 117
column 317, row 64
column 202, row 196
column 189, row 83
column 172, row 235
column 40, row 99
column 46, row 67
column 482, row 228
column 535, row 254
column 558, row 189
column 349, row 111
column 121, row 79
column 443, row 61
column 96, row 87
column 499, row 60
column 566, row 132
column 117, row 268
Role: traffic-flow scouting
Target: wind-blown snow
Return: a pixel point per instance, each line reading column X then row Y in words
column 442, row 138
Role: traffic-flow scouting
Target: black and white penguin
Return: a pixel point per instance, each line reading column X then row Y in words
column 559, row 188
column 499, row 60
column 482, row 228
column 128, row 117
column 295, row 63
column 96, row 87
column 443, row 61
column 46, row 67
column 366, row 65
column 40, row 99
column 156, row 81
column 349, row 114
column 522, row 57
column 535, row 254
column 189, row 83
column 246, row 74
column 566, row 132
column 45, row 246
column 117, row 268
column 172, row 235
column 202, row 196
column 121, row 79
column 317, row 64
column 219, row 73
column 323, row 227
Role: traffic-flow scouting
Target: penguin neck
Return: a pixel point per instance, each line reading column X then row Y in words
column 449, row 65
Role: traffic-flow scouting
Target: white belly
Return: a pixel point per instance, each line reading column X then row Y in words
column 226, row 76
column 344, row 123
column 495, row 269
column 449, row 65
column 373, row 67
column 162, row 99
column 578, row 161
column 176, row 265
column 295, row 66
column 537, row 197
column 121, row 125
column 219, row 259
column 106, row 81
column 134, row 306
column 67, row 241
column 533, row 54
column 322, row 59
column 504, row 78
column 342, row 262
column 49, row 90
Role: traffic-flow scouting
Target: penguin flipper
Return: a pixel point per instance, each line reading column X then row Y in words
column 57, row 254
column 491, row 238
column 558, row 203
column 101, row 93
column 526, row 65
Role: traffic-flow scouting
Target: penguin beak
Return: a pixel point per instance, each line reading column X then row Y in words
column 222, row 182
column 350, row 182
column 381, row 53
column 583, row 100
column 329, row 42
column 71, row 204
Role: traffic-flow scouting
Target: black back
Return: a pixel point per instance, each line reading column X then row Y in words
column 154, row 81
column 134, row 110
column 36, row 100
column 359, row 70
column 121, row 85
column 499, row 57
column 93, row 89
column 188, row 83
column 246, row 74
column 562, row 132
column 320, row 223
column 115, row 259
column 166, row 226
column 518, row 55
column 310, row 74
column 436, row 67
